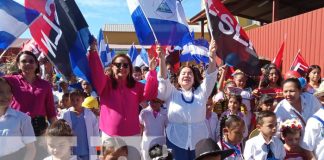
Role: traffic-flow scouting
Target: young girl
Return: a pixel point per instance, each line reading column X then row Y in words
column 64, row 105
column 234, row 104
column 153, row 120
column 291, row 134
column 59, row 140
column 313, row 78
column 266, row 103
column 232, row 128
column 221, row 98
column 212, row 121
column 84, row 125
column 14, row 124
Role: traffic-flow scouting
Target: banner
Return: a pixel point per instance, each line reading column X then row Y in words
column 299, row 64
column 233, row 44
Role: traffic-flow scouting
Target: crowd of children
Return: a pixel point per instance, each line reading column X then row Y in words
column 263, row 120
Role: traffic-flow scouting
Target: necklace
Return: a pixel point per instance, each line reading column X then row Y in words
column 192, row 97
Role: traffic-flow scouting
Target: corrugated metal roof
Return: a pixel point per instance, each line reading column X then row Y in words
column 130, row 28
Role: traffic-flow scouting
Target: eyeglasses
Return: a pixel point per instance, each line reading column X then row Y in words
column 119, row 65
column 27, row 61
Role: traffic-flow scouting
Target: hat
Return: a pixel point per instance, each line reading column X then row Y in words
column 266, row 98
column 207, row 147
column 90, row 102
column 320, row 91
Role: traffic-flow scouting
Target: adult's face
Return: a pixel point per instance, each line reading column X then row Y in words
column 27, row 64
column 291, row 92
column 186, row 78
column 314, row 75
column 273, row 76
column 121, row 68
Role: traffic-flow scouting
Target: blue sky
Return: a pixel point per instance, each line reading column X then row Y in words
column 100, row 12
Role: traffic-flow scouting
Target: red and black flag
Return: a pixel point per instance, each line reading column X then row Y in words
column 299, row 64
column 233, row 44
column 63, row 35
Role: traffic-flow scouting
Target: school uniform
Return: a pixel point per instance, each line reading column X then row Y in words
column 313, row 139
column 154, row 127
column 86, row 128
column 213, row 126
column 257, row 148
column 16, row 131
column 242, row 116
column 237, row 155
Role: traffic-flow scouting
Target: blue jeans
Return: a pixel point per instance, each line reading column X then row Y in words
column 179, row 153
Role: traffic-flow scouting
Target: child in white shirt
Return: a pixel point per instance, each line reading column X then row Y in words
column 265, row 146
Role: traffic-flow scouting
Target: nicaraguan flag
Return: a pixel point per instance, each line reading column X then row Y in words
column 166, row 17
column 15, row 19
column 103, row 49
column 198, row 51
column 142, row 59
column 132, row 53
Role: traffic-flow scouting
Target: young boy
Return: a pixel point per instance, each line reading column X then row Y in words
column 265, row 145
column 16, row 131
column 84, row 125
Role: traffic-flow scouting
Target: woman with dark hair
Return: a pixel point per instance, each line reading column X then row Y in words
column 187, row 105
column 296, row 104
column 313, row 77
column 120, row 94
column 31, row 94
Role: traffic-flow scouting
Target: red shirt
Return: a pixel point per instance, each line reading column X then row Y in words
column 35, row 99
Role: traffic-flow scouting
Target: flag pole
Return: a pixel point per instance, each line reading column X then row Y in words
column 154, row 35
column 295, row 58
column 208, row 20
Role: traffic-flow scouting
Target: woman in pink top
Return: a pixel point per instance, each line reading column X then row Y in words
column 120, row 95
column 32, row 95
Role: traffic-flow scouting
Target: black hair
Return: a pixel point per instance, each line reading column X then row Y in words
column 266, row 81
column 37, row 71
column 59, row 128
column 197, row 81
column 156, row 151
column 227, row 121
column 310, row 69
column 265, row 99
column 263, row 114
column 137, row 69
column 235, row 96
column 293, row 80
column 78, row 93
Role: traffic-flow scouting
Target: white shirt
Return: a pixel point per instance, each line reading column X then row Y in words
column 213, row 126
column 52, row 158
column 186, row 120
column 285, row 110
column 153, row 126
column 16, row 131
column 256, row 148
column 313, row 139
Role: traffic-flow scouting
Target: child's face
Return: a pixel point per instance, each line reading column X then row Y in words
column 234, row 133
column 5, row 95
column 59, row 147
column 267, row 107
column 76, row 101
column 155, row 105
column 269, row 126
column 292, row 140
column 273, row 76
column 65, row 102
column 233, row 105
column 137, row 76
column 240, row 81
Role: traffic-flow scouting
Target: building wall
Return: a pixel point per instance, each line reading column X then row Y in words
column 303, row 32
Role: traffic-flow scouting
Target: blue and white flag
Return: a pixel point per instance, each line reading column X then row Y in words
column 103, row 49
column 132, row 53
column 166, row 18
column 15, row 19
column 142, row 59
column 198, row 51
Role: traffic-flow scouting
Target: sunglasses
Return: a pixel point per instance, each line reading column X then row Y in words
column 119, row 65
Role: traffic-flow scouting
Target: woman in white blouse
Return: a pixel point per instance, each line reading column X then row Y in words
column 186, row 106
column 297, row 104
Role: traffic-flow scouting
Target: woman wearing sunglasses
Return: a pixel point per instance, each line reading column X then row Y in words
column 187, row 106
column 120, row 95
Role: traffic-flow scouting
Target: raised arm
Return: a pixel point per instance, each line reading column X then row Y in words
column 151, row 86
column 212, row 57
column 98, row 77
column 162, row 65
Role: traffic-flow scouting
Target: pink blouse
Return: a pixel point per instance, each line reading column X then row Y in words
column 119, row 108
column 35, row 99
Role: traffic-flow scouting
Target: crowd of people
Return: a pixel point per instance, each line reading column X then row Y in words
column 196, row 112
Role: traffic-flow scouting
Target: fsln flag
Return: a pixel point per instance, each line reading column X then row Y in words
column 233, row 44
column 299, row 64
column 132, row 53
column 164, row 18
column 63, row 34
column 198, row 51
column 278, row 59
column 15, row 19
column 103, row 48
